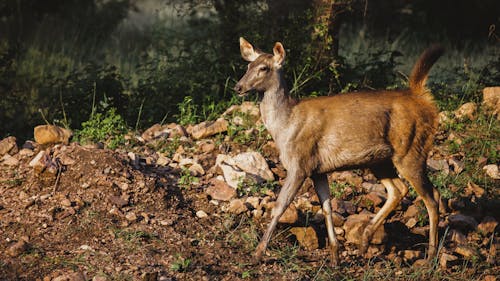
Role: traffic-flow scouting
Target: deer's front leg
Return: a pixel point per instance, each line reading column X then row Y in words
column 292, row 184
column 323, row 191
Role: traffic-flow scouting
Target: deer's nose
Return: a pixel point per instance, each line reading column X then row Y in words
column 237, row 88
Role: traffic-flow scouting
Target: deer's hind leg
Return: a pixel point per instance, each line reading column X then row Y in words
column 396, row 190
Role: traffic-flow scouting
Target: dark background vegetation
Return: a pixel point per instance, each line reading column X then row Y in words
column 61, row 61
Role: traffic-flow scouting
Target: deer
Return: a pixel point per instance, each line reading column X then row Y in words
column 389, row 132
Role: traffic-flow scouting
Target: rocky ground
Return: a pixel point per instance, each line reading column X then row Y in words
column 190, row 203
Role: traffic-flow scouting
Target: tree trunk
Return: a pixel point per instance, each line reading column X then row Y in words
column 325, row 33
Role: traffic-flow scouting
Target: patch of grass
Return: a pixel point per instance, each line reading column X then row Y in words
column 338, row 189
column 186, row 180
column 181, row 264
column 249, row 187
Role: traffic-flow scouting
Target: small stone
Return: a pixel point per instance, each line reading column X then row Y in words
column 355, row 225
column 201, row 214
column 466, row 111
column 411, row 223
column 131, row 216
column 8, row 145
column 306, row 236
column 438, row 165
column 374, row 198
column 462, row 222
column 465, row 251
column 254, row 164
column 411, row 255
column 490, row 277
column 66, row 202
column 70, row 276
column 236, row 206
column 487, row 225
column 491, row 99
column 209, row 128
column 253, row 202
column 99, row 278
column 196, row 170
column 9, row 160
column 290, row 216
column 457, row 236
column 17, row 248
column 412, row 211
column 457, row 165
column 49, row 134
column 492, row 171
column 475, row 189
column 338, row 219
column 219, row 190
column 446, row 260
column 118, row 201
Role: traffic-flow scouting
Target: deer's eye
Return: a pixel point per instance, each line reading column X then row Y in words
column 264, row 68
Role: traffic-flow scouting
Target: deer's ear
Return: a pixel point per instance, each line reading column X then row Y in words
column 247, row 51
column 279, row 53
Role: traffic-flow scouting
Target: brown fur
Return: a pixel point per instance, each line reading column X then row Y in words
column 390, row 132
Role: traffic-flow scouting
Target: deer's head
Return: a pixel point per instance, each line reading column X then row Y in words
column 263, row 69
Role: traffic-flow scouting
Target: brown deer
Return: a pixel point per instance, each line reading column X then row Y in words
column 389, row 132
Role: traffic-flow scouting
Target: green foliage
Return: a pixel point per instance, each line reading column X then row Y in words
column 249, row 187
column 108, row 127
column 186, row 180
column 180, row 264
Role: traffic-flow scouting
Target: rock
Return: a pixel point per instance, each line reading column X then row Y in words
column 99, row 278
column 487, row 225
column 467, row 110
column 411, row 255
column 8, row 145
column 492, row 171
column 457, row 165
column 206, row 146
column 209, row 128
column 9, row 160
column 246, row 107
column 155, row 131
column 490, row 278
column 254, row 164
column 219, row 190
column 236, row 206
column 444, row 117
column 338, row 219
column 373, row 199
column 253, row 202
column 462, row 222
column 411, row 223
column 412, row 211
column 475, row 189
column 131, row 216
column 290, row 215
column 196, row 170
column 70, row 276
column 355, row 225
column 438, row 165
column 50, row 134
column 232, row 174
column 491, row 99
column 465, row 251
column 201, row 214
column 457, row 236
column 306, row 236
column 17, row 248
column 446, row 260
column 118, row 201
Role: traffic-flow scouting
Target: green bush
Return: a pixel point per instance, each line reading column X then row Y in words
column 108, row 127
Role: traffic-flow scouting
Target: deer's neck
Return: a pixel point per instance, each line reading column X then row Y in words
column 276, row 107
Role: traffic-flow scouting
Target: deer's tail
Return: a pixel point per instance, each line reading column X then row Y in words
column 421, row 70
